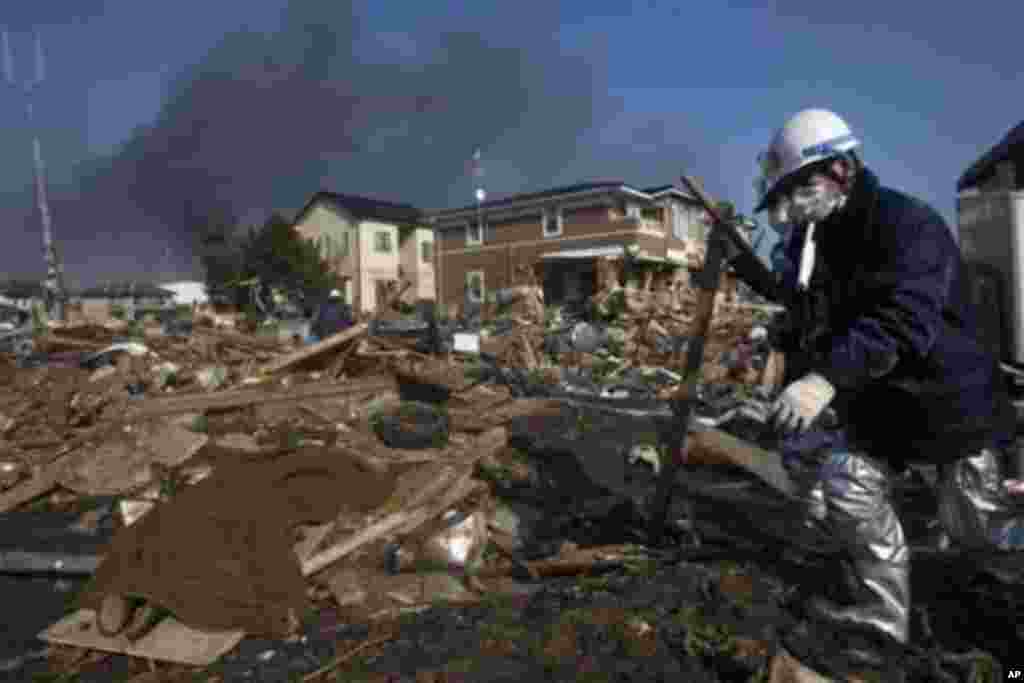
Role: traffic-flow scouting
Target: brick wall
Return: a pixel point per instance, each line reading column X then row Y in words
column 512, row 241
column 499, row 262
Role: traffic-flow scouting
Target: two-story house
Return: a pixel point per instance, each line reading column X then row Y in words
column 564, row 230
column 369, row 242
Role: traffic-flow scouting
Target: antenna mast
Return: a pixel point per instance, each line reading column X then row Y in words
column 54, row 294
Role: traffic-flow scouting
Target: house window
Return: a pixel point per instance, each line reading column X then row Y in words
column 475, row 291
column 334, row 247
column 632, row 211
column 679, row 222
column 475, row 232
column 382, row 242
column 552, row 222
column 427, row 252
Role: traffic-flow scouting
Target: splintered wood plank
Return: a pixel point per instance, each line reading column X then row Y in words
column 241, row 398
column 169, row 641
column 320, row 348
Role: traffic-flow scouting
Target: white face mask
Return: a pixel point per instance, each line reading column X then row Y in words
column 814, row 202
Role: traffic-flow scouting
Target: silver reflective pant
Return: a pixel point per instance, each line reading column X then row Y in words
column 851, row 498
column 974, row 507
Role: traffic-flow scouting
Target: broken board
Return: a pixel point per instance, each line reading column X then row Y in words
column 125, row 462
column 169, row 641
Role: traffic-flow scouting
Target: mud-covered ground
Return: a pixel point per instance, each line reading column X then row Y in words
column 714, row 613
column 717, row 612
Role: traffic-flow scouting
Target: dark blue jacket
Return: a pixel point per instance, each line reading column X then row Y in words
column 889, row 322
column 332, row 317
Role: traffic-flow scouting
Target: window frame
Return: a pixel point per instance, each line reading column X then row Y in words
column 377, row 234
column 559, row 215
column 481, row 224
column 680, row 225
column 483, row 286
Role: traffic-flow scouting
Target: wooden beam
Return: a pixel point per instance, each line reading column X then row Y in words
column 39, row 485
column 231, row 400
column 320, row 348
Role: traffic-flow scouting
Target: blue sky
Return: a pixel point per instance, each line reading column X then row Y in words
column 552, row 93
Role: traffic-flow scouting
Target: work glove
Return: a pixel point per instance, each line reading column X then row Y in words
column 800, row 404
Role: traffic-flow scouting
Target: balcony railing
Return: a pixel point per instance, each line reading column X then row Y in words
column 646, row 226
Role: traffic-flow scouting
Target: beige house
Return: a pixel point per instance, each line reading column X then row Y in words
column 368, row 243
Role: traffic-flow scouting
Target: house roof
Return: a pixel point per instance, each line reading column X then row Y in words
column 120, row 290
column 586, row 188
column 365, row 208
column 21, row 289
column 668, row 189
column 523, row 197
column 1012, row 144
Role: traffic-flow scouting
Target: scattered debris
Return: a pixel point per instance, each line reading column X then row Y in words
column 398, row 466
column 212, row 378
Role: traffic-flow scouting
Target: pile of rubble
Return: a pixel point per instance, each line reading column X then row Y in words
column 235, row 485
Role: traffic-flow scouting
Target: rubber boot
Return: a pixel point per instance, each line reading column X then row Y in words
column 860, row 514
column 976, row 509
column 882, row 599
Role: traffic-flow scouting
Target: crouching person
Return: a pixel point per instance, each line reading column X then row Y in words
column 884, row 339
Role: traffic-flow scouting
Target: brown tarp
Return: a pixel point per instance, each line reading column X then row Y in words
column 219, row 555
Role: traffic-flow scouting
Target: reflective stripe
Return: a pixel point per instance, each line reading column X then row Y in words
column 828, row 147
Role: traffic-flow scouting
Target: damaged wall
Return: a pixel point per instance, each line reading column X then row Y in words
column 515, row 238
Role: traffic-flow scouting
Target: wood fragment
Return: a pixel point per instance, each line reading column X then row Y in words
column 70, row 343
column 341, row 659
column 528, row 353
column 320, row 348
column 421, row 509
column 581, row 561
column 39, row 485
column 716, row 447
column 241, row 398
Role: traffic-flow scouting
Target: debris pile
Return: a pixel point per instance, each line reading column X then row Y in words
column 251, row 485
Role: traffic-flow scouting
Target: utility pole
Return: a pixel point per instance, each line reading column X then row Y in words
column 481, row 195
column 54, row 294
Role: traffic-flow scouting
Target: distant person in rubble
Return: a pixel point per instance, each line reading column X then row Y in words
column 331, row 317
column 884, row 343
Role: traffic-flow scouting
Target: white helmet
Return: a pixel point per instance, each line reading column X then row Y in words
column 809, row 136
column 335, row 294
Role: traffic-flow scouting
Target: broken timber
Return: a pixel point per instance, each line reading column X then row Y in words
column 710, row 446
column 322, row 347
column 231, row 400
column 421, row 508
